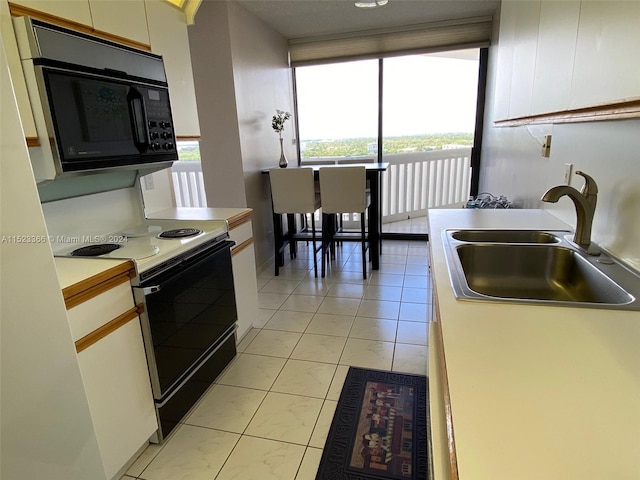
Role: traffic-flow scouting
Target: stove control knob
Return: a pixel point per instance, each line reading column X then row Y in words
column 155, row 146
column 168, row 146
column 154, row 135
column 166, row 135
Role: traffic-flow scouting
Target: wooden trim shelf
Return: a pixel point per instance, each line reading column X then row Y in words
column 619, row 110
column 240, row 219
column 109, row 327
column 188, row 138
column 22, row 11
column 93, row 286
column 240, row 247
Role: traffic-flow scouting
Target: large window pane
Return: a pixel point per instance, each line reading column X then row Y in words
column 337, row 109
column 429, row 111
column 429, row 101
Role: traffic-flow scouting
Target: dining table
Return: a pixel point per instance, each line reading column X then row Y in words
column 373, row 172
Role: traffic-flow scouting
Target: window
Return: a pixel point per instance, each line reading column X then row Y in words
column 423, row 107
column 429, row 101
column 189, row 151
column 337, row 109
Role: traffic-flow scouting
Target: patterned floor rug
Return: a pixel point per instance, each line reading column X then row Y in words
column 380, row 428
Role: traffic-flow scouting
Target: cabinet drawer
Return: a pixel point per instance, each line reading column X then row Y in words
column 241, row 233
column 99, row 310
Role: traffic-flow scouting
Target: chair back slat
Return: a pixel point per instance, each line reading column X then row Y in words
column 342, row 189
column 292, row 190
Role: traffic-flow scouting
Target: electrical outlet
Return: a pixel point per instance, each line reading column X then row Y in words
column 568, row 167
column 148, row 182
column 546, row 146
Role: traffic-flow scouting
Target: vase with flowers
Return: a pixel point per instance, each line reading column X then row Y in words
column 277, row 123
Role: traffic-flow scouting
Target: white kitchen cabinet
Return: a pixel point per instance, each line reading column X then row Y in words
column 122, row 19
column 169, row 37
column 17, row 77
column 106, row 329
column 524, row 58
column 71, row 10
column 606, row 69
column 244, row 275
column 554, row 56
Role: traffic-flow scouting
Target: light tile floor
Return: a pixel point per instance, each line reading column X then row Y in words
column 268, row 414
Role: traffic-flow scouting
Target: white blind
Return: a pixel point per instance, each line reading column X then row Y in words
column 467, row 33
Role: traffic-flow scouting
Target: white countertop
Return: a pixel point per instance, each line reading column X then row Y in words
column 197, row 213
column 537, row 392
column 75, row 270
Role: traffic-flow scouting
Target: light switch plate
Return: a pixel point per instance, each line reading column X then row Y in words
column 568, row 167
column 546, row 146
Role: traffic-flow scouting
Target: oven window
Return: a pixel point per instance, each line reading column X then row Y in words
column 188, row 315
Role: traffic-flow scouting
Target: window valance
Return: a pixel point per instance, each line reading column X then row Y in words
column 450, row 35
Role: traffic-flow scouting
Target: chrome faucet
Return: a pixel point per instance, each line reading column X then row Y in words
column 585, row 203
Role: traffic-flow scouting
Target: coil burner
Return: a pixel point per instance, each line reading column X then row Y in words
column 180, row 233
column 95, row 250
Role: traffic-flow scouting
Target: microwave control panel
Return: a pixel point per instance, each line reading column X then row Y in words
column 159, row 122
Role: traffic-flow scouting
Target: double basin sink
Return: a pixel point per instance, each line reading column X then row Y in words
column 539, row 267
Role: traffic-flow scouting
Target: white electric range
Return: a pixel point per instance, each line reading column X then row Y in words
column 189, row 314
column 145, row 243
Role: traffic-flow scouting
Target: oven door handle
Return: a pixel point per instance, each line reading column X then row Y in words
column 148, row 290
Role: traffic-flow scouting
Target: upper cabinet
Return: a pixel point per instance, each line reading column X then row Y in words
column 169, row 37
column 605, row 66
column 151, row 25
column 554, row 55
column 567, row 61
column 126, row 20
column 77, row 11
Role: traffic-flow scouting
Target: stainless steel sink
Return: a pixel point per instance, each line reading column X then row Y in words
column 486, row 267
column 506, row 236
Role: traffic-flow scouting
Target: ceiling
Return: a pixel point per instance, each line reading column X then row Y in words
column 311, row 18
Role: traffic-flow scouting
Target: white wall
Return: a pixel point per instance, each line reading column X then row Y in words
column 511, row 161
column 241, row 76
column 46, row 429
column 94, row 214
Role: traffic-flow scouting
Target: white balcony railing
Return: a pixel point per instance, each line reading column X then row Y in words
column 414, row 182
column 188, row 184
column 418, row 181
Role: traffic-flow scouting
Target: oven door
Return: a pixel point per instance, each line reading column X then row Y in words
column 190, row 310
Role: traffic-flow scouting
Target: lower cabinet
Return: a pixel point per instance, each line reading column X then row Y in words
column 114, row 371
column 244, row 276
column 106, row 329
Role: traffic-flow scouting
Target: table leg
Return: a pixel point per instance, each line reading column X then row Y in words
column 374, row 220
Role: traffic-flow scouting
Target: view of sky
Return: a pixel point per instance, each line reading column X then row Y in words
column 422, row 94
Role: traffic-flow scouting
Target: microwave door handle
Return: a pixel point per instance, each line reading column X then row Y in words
column 138, row 120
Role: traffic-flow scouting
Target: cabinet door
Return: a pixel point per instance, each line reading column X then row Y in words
column 606, row 69
column 244, row 278
column 169, row 38
column 116, row 379
column 127, row 20
column 437, row 406
column 17, row 77
column 73, row 10
column 554, row 57
column 524, row 58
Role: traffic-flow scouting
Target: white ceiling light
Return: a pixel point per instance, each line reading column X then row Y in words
column 370, row 3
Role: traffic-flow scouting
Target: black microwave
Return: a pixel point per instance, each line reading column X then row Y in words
column 106, row 119
column 104, row 105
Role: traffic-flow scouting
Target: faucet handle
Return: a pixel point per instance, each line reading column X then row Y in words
column 590, row 187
